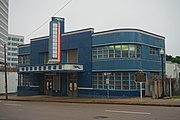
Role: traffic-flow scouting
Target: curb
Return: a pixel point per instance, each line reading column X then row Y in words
column 96, row 102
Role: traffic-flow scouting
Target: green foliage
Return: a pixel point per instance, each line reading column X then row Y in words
column 173, row 59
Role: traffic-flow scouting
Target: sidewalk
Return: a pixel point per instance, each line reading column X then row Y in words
column 121, row 101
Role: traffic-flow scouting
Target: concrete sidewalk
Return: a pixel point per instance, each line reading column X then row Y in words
column 122, row 101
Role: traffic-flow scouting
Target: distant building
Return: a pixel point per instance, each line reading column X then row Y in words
column 3, row 27
column 13, row 42
column 172, row 69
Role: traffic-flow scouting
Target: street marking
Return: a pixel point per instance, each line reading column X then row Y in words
column 12, row 104
column 128, row 112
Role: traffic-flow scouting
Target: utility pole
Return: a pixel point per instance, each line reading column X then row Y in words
column 5, row 71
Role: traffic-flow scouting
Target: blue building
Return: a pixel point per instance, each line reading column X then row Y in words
column 88, row 64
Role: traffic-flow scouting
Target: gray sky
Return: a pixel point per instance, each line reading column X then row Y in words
column 157, row 16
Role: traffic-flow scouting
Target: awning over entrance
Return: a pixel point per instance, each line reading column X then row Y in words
column 51, row 68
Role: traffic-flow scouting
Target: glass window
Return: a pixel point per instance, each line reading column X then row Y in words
column 132, row 82
column 117, row 80
column 94, row 77
column 117, row 51
column 111, row 51
column 125, row 80
column 111, row 81
column 100, row 80
column 99, row 52
column 153, row 51
column 132, row 51
column 94, row 53
column 138, row 51
column 124, row 51
column 105, row 52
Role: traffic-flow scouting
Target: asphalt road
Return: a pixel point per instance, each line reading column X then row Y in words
column 14, row 110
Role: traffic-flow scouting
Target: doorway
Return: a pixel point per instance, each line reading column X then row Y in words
column 48, row 85
column 72, row 84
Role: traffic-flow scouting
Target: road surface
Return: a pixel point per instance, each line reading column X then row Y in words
column 16, row 110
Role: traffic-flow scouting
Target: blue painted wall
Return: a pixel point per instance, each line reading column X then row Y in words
column 81, row 41
column 38, row 47
column 147, row 62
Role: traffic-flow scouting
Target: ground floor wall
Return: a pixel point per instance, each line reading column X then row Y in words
column 12, row 82
column 116, row 84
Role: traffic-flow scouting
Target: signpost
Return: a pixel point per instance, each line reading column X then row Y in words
column 140, row 77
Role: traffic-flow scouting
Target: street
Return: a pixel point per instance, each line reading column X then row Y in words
column 16, row 110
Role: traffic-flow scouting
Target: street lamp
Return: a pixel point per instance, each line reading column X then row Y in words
column 162, row 72
column 5, row 71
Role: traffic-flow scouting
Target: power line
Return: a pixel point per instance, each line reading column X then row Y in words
column 48, row 19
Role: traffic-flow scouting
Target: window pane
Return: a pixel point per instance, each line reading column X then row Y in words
column 125, row 51
column 118, row 51
column 138, row 51
column 94, row 53
column 99, row 53
column 125, row 80
column 100, row 80
column 132, row 51
column 105, row 51
column 111, row 51
column 117, row 80
column 132, row 82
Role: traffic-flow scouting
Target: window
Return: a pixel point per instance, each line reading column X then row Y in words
column 132, row 82
column 105, row 52
column 24, row 60
column 132, row 51
column 125, row 80
column 99, row 52
column 94, row 53
column 95, row 80
column 117, row 51
column 138, row 51
column 124, row 51
column 100, row 80
column 153, row 51
column 117, row 80
column 73, row 56
column 111, row 51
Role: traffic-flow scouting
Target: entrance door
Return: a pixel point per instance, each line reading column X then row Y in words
column 72, row 88
column 48, row 85
column 72, row 84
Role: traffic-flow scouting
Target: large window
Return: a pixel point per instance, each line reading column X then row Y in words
column 99, row 52
column 124, row 51
column 105, row 52
column 111, row 51
column 115, row 80
column 24, row 60
column 73, row 56
column 132, row 49
column 116, row 51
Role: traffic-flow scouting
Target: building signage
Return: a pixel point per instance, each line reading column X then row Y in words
column 49, row 68
column 140, row 77
column 55, row 41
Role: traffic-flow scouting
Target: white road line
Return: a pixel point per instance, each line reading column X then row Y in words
column 12, row 104
column 128, row 112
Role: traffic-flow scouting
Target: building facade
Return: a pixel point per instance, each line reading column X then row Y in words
column 172, row 70
column 13, row 42
column 3, row 27
column 88, row 64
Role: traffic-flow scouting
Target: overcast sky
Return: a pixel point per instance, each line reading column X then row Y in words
column 161, row 17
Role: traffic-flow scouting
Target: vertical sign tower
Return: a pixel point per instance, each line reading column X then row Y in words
column 56, row 29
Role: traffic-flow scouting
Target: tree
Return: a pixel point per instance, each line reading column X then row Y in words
column 173, row 59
